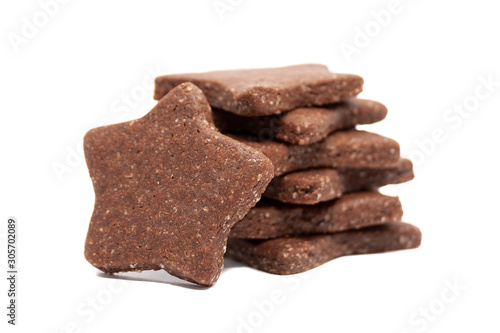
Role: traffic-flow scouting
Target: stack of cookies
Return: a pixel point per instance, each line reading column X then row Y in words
column 322, row 202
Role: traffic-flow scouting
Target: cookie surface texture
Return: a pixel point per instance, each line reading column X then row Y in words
column 168, row 188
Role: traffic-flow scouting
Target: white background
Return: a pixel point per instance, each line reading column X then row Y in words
column 76, row 70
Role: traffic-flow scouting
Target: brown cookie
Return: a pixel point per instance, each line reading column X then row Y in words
column 271, row 219
column 168, row 188
column 311, row 186
column 350, row 149
column 303, row 125
column 290, row 255
column 266, row 91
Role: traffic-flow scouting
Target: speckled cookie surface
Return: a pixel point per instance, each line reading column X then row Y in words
column 266, row 91
column 311, row 186
column 290, row 255
column 349, row 148
column 168, row 187
column 303, row 125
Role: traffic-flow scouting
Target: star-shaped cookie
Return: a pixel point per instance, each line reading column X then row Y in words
column 168, row 188
column 267, row 91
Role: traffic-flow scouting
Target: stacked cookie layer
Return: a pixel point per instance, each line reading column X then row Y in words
column 322, row 202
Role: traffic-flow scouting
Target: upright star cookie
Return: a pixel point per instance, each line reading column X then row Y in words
column 168, row 188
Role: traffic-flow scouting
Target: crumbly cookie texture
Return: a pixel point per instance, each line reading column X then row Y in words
column 290, row 255
column 267, row 91
column 271, row 219
column 168, row 188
